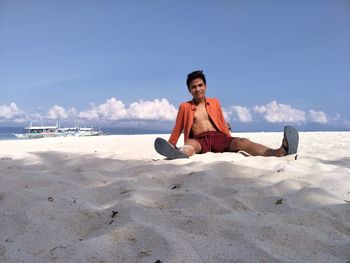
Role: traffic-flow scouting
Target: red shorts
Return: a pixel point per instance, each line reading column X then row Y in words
column 213, row 141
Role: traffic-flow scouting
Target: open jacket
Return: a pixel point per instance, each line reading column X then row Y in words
column 184, row 119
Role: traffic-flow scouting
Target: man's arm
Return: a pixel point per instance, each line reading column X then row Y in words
column 179, row 126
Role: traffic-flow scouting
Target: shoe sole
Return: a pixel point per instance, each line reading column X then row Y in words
column 292, row 137
column 164, row 148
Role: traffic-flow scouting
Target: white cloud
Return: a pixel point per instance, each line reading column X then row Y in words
column 112, row 109
column 35, row 117
column 317, row 116
column 11, row 112
column 57, row 113
column 336, row 117
column 72, row 112
column 240, row 113
column 277, row 112
column 152, row 110
column 226, row 115
column 88, row 115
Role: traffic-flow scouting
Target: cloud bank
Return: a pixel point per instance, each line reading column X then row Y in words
column 317, row 116
column 114, row 111
column 59, row 113
column 276, row 112
column 239, row 113
column 11, row 113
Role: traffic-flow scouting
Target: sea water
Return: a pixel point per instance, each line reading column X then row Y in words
column 7, row 133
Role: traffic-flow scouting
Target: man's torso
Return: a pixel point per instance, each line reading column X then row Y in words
column 201, row 121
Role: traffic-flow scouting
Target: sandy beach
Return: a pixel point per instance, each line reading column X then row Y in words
column 114, row 199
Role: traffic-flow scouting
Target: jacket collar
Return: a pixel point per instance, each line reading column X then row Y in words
column 193, row 105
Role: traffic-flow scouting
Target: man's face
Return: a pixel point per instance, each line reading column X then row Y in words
column 197, row 89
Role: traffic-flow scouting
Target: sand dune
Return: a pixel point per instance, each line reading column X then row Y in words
column 114, row 199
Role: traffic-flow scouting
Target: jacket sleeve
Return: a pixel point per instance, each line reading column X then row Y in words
column 179, row 126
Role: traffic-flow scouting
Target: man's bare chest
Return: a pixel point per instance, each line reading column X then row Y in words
column 200, row 115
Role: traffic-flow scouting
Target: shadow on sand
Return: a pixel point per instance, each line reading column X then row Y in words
column 67, row 207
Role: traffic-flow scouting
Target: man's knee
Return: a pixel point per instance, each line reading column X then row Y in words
column 240, row 141
column 187, row 149
column 196, row 145
column 238, row 144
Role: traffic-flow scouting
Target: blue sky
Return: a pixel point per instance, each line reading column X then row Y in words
column 124, row 63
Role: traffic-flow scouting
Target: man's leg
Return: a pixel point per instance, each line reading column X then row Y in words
column 243, row 144
column 191, row 147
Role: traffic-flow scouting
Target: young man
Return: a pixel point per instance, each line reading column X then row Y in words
column 205, row 129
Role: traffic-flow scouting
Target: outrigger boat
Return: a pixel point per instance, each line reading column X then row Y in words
column 87, row 132
column 38, row 132
column 56, row 131
column 79, row 131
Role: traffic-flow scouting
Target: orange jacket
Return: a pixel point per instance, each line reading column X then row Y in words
column 184, row 119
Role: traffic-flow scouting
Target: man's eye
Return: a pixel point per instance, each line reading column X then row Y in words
column 197, row 86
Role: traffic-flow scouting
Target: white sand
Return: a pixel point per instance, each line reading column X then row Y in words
column 57, row 197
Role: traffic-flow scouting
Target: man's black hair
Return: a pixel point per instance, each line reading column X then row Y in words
column 198, row 74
